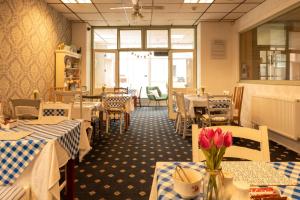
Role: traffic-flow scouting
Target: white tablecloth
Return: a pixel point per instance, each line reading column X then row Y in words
column 87, row 110
column 192, row 101
column 42, row 175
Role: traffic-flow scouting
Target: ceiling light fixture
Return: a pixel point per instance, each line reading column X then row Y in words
column 76, row 1
column 206, row 1
column 198, row 1
column 191, row 1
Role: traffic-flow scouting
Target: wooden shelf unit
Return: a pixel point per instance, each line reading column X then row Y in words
column 67, row 70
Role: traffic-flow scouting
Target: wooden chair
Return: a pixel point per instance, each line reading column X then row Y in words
column 14, row 192
column 121, row 90
column 113, row 106
column 237, row 104
column 175, row 109
column 53, row 96
column 261, row 136
column 55, row 110
column 218, row 111
column 183, row 117
column 25, row 108
column 138, row 99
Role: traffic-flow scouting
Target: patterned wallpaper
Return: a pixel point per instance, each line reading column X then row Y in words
column 30, row 31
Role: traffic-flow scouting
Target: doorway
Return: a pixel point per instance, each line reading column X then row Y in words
column 143, row 68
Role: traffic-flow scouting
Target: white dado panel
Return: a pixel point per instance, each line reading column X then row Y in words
column 279, row 91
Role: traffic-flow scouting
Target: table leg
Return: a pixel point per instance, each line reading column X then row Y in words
column 126, row 121
column 135, row 101
column 70, row 179
column 100, row 122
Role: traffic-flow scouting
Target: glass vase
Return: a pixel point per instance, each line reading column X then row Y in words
column 213, row 184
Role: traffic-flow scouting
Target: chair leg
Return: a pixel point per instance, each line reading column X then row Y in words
column 184, row 128
column 175, row 122
column 107, row 124
column 178, row 124
column 121, row 123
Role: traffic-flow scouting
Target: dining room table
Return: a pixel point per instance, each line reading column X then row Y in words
column 32, row 155
column 194, row 101
column 284, row 176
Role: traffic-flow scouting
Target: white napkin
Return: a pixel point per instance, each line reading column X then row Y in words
column 13, row 135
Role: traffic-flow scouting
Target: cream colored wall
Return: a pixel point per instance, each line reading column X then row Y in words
column 30, row 31
column 216, row 75
column 81, row 38
column 259, row 15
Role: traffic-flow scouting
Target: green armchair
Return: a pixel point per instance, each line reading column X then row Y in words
column 154, row 94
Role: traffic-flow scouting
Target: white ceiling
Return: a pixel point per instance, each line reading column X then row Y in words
column 175, row 12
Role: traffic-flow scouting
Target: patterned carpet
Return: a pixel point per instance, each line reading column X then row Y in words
column 121, row 166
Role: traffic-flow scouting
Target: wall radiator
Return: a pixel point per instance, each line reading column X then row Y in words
column 279, row 115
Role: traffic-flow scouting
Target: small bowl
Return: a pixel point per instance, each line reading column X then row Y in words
column 188, row 190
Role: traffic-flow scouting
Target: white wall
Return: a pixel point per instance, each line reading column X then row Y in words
column 216, row 75
column 267, row 10
column 81, row 37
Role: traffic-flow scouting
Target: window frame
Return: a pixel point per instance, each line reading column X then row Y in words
column 155, row 48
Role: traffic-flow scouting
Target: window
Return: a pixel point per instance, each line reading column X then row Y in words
column 182, row 70
column 182, row 38
column 104, row 70
column 271, row 51
column 130, row 39
column 105, row 39
column 157, row 38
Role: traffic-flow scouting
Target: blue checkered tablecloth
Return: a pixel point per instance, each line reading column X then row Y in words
column 16, row 155
column 165, row 183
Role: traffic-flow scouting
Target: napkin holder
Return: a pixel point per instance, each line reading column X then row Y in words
column 9, row 124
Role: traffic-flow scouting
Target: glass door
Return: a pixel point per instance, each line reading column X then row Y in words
column 142, row 69
column 182, row 75
column 105, row 70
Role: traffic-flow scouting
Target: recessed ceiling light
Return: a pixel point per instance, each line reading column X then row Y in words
column 198, row 1
column 191, row 1
column 76, row 1
column 206, row 1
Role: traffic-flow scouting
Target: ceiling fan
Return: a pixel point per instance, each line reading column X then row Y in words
column 136, row 7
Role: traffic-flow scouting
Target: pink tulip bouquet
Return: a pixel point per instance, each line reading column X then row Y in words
column 213, row 144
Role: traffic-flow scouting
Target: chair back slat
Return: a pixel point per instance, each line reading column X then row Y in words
column 25, row 108
column 180, row 103
column 58, row 109
column 114, row 102
column 237, row 101
column 260, row 136
column 219, row 106
column 121, row 90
